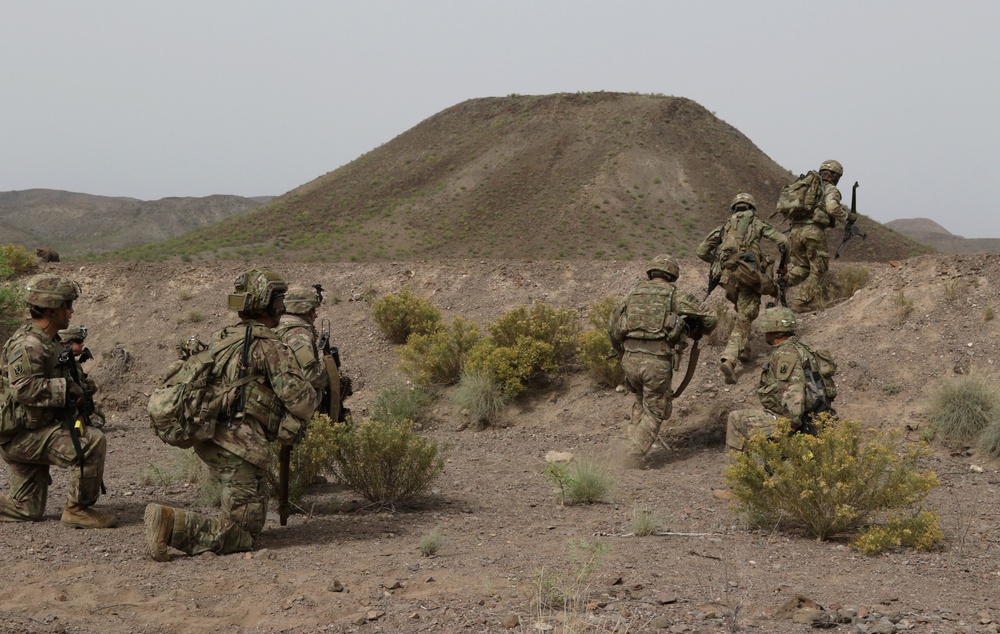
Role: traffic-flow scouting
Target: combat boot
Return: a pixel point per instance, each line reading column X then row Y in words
column 159, row 521
column 728, row 371
column 745, row 355
column 76, row 516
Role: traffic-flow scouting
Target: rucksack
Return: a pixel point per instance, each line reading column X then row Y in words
column 820, row 362
column 800, row 198
column 738, row 254
column 184, row 410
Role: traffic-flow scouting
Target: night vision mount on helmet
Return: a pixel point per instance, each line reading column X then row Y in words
column 258, row 291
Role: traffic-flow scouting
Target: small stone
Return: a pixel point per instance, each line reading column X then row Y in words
column 336, row 586
column 807, row 615
column 660, row 622
column 374, row 615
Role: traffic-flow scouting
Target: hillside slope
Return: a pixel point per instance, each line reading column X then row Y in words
column 593, row 175
column 76, row 224
column 338, row 566
column 926, row 231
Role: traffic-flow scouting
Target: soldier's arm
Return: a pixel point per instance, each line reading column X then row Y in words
column 706, row 250
column 831, row 203
column 286, row 379
column 26, row 376
column 779, row 239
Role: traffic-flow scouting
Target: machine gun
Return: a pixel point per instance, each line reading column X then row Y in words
column 851, row 228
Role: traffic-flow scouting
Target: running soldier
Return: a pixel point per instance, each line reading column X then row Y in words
column 743, row 270
column 648, row 330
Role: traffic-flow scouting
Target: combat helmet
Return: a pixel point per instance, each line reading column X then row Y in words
column 299, row 300
column 48, row 290
column 833, row 166
column 778, row 319
column 73, row 334
column 744, row 198
column 664, row 264
column 258, row 291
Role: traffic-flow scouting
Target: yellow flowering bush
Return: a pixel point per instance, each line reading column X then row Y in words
column 837, row 481
column 439, row 356
column 398, row 316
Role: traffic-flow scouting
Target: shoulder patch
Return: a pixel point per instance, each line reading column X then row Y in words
column 784, row 364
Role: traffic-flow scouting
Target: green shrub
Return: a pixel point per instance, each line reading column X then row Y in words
column 568, row 587
column 584, row 480
column 595, row 356
column 600, row 312
column 439, row 356
column 386, row 464
column 12, row 307
column 431, row 543
column 921, row 531
column 904, row 306
column 556, row 327
column 18, row 259
column 831, row 483
column 482, row 395
column 512, row 366
column 989, row 440
column 847, row 281
column 645, row 521
column 400, row 403
column 399, row 316
column 310, row 458
column 963, row 407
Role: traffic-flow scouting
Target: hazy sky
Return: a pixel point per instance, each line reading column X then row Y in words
column 188, row 98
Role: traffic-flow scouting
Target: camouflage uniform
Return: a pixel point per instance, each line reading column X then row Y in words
column 745, row 298
column 278, row 406
column 810, row 255
column 300, row 335
column 782, row 389
column 38, row 416
column 649, row 331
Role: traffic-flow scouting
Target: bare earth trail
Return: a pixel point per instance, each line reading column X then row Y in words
column 338, row 569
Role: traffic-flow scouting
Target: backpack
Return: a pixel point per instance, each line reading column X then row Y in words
column 820, row 362
column 800, row 198
column 738, row 254
column 184, row 410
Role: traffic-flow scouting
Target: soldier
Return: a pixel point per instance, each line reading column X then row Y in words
column 276, row 405
column 810, row 256
column 796, row 383
column 297, row 329
column 40, row 424
column 649, row 329
column 73, row 338
column 744, row 271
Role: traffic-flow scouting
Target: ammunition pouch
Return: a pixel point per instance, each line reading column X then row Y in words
column 261, row 404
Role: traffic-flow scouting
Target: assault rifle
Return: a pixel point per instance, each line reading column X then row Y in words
column 814, row 385
column 338, row 387
column 84, row 407
column 851, row 228
column 782, row 278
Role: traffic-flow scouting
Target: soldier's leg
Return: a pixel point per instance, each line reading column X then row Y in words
column 747, row 309
column 798, row 259
column 811, row 290
column 742, row 423
column 28, row 493
column 657, row 373
column 244, row 508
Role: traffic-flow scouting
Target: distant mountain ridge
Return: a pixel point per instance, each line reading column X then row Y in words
column 76, row 224
column 582, row 175
column 926, row 231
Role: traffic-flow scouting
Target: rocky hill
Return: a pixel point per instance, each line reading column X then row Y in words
column 592, row 175
column 76, row 224
column 926, row 231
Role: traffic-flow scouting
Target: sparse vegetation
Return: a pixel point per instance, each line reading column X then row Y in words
column 12, row 308
column 568, row 588
column 903, row 306
column 848, row 281
column 400, row 315
column 961, row 408
column 583, row 481
column 400, row 403
column 431, row 543
column 482, row 396
column 835, row 482
column 439, row 356
column 389, row 465
column 556, row 327
column 595, row 351
column 17, row 259
column 184, row 466
column 193, row 316
column 310, row 457
column 645, row 521
column 953, row 288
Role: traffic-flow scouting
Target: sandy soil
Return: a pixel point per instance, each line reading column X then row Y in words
column 339, row 570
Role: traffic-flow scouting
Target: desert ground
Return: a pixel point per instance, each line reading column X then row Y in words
column 339, row 568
